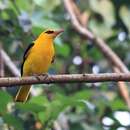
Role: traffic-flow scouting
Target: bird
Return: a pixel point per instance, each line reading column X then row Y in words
column 37, row 59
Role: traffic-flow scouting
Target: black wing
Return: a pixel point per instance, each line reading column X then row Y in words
column 26, row 55
column 53, row 59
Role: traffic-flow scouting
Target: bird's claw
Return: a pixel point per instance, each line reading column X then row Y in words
column 45, row 75
column 41, row 76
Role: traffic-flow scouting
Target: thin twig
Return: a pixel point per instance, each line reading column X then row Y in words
column 8, row 62
column 1, row 63
column 15, row 6
column 2, row 72
column 67, row 78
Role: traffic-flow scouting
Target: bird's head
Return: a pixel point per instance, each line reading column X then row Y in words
column 48, row 35
column 52, row 33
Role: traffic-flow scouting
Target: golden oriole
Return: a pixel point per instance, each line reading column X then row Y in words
column 37, row 59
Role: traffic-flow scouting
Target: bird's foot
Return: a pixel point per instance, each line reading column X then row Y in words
column 39, row 76
column 45, row 75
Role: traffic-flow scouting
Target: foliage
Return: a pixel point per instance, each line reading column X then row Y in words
column 72, row 106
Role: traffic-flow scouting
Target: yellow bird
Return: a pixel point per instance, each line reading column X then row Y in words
column 37, row 59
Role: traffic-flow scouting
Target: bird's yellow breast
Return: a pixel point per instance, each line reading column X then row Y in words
column 39, row 59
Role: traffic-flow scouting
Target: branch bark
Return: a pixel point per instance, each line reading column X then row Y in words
column 67, row 78
column 1, row 63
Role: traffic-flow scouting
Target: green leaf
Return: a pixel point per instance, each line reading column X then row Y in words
column 13, row 121
column 44, row 116
column 23, row 5
column 85, row 94
column 39, row 100
column 105, row 8
column 62, row 49
column 30, row 107
column 125, row 15
column 5, row 98
column 99, row 29
column 45, row 23
column 37, row 30
column 38, row 20
column 95, row 53
column 118, row 104
column 39, row 2
column 54, row 108
column 48, row 5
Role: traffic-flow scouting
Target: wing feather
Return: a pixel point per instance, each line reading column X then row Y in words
column 26, row 53
column 53, row 59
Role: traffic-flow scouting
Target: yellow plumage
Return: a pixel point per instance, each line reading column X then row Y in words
column 37, row 60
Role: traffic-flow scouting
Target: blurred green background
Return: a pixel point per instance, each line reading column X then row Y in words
column 93, row 106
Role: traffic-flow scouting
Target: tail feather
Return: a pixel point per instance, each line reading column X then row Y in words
column 23, row 93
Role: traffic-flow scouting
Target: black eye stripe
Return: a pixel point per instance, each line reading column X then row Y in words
column 49, row 32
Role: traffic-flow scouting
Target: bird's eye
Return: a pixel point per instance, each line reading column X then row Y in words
column 49, row 32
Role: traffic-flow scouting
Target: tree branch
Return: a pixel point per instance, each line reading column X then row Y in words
column 67, row 78
column 8, row 62
column 100, row 43
column 1, row 63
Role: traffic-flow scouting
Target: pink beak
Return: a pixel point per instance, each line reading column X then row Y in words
column 58, row 32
